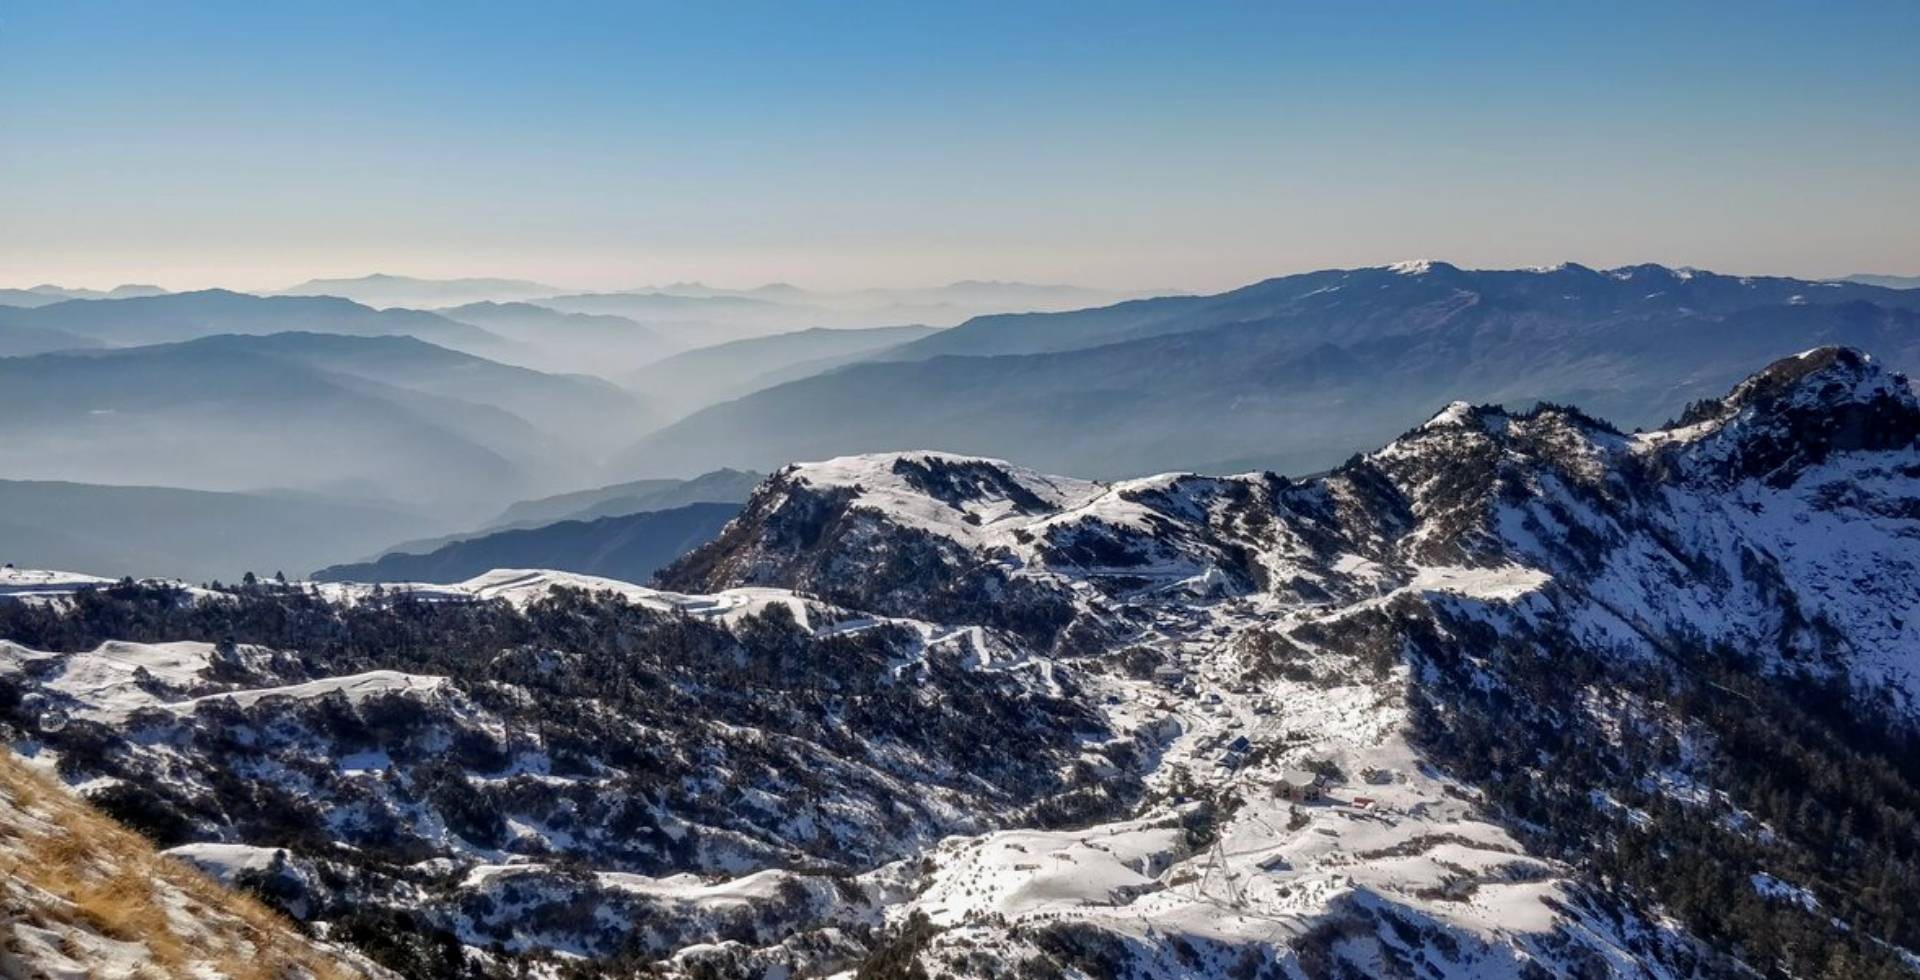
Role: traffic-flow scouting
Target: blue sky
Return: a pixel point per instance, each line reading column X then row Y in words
column 1189, row 145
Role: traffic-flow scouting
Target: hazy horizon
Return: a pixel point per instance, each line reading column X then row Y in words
column 900, row 286
column 1111, row 146
column 1225, row 489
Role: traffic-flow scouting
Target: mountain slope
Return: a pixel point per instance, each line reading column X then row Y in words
column 732, row 734
column 18, row 341
column 1223, row 382
column 574, row 409
column 368, row 417
column 1890, row 282
column 1517, row 695
column 85, row 897
column 1524, row 588
column 720, row 486
column 617, row 500
column 706, row 375
column 550, row 340
column 1347, row 305
column 630, row 548
column 694, row 321
column 190, row 534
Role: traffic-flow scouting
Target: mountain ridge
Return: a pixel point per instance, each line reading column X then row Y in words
column 409, row 291
column 1447, row 710
column 175, row 317
column 325, row 412
column 1171, row 383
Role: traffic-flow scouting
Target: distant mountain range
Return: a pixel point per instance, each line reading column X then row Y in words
column 186, row 316
column 629, row 548
column 390, row 418
column 695, row 315
column 699, row 321
column 720, row 486
column 1890, row 282
column 618, row 500
column 733, row 313
column 47, row 294
column 1291, row 373
column 383, row 290
column 573, row 410
column 706, row 375
column 967, row 297
column 516, row 321
column 550, row 340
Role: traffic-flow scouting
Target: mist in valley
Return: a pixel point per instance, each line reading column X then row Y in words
column 135, row 422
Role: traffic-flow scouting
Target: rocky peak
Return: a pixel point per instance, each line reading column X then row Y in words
column 1796, row 413
column 1823, row 376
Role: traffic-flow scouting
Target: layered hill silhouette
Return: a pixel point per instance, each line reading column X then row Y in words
column 391, row 418
column 1293, row 373
column 173, row 317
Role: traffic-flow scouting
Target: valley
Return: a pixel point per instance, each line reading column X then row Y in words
column 994, row 491
column 1418, row 717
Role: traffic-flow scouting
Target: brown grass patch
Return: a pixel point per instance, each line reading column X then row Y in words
column 109, row 881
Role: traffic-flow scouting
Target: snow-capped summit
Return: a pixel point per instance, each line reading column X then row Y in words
column 1822, row 379
column 1422, row 267
column 1797, row 413
column 1457, row 414
column 938, row 489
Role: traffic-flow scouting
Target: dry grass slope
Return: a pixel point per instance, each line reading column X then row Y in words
column 83, row 898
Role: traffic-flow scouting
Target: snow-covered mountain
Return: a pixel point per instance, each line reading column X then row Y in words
column 1516, row 695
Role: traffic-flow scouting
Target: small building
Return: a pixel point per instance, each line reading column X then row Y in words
column 1167, row 675
column 1299, row 786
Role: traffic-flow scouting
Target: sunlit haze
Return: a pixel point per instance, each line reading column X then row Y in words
column 1190, row 146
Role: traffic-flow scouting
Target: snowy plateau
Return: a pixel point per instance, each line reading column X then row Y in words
column 1517, row 695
